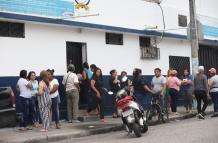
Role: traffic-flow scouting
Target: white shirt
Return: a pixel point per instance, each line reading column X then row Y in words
column 214, row 86
column 52, row 83
column 157, row 83
column 70, row 79
column 24, row 91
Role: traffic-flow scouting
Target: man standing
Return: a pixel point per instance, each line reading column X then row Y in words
column 159, row 85
column 71, row 83
column 141, row 88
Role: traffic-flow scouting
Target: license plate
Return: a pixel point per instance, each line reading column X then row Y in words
column 127, row 113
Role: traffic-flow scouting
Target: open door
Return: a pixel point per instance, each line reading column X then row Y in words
column 77, row 55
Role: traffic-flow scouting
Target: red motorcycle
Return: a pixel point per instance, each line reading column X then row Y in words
column 131, row 112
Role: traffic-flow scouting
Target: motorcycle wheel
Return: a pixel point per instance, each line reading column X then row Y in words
column 137, row 130
column 144, row 128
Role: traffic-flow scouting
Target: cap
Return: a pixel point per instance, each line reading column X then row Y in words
column 213, row 70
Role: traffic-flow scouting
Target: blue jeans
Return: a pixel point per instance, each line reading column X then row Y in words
column 215, row 100
column 114, row 103
column 25, row 104
column 187, row 99
column 162, row 102
column 173, row 93
column 54, row 108
column 34, row 109
column 142, row 100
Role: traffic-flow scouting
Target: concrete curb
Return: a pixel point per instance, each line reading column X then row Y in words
column 117, row 127
column 188, row 116
column 63, row 136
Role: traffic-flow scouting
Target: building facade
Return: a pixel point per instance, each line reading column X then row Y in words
column 116, row 35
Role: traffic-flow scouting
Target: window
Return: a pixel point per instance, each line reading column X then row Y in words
column 179, row 63
column 11, row 29
column 144, row 41
column 114, row 39
column 150, row 53
column 182, row 20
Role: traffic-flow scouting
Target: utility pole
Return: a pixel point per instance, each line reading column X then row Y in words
column 193, row 37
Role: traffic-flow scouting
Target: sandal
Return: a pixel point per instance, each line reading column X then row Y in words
column 44, row 130
column 22, row 129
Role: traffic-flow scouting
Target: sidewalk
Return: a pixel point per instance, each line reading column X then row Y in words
column 75, row 130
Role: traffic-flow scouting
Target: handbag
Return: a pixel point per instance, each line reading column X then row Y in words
column 65, row 84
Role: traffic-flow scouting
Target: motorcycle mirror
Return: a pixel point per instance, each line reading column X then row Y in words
column 110, row 93
column 124, row 79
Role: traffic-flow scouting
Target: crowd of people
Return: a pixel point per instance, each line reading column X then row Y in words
column 40, row 100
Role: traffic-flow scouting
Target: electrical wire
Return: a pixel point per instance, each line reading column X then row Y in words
column 164, row 23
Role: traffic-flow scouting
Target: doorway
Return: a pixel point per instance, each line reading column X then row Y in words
column 77, row 55
column 208, row 57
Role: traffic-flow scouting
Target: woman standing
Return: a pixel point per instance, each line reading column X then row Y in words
column 54, row 94
column 201, row 91
column 167, row 94
column 187, row 90
column 97, row 91
column 213, row 85
column 24, row 86
column 124, row 83
column 174, row 86
column 114, row 84
column 34, row 102
column 85, row 86
column 44, row 100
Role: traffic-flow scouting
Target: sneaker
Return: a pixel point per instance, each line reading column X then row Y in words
column 215, row 115
column 175, row 113
column 200, row 116
column 203, row 113
column 76, row 121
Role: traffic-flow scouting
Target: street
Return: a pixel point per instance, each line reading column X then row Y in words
column 186, row 131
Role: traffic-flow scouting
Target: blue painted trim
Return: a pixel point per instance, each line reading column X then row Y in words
column 12, row 81
column 87, row 25
column 205, row 41
column 210, row 30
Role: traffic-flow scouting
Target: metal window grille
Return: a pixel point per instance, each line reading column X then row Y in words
column 208, row 57
column 12, row 29
column 179, row 63
column 150, row 53
column 182, row 20
column 144, row 41
column 114, row 38
column 4, row 29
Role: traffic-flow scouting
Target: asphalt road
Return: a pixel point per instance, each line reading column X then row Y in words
column 186, row 131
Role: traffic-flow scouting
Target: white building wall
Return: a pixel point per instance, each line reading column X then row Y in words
column 207, row 8
column 136, row 14
column 44, row 46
